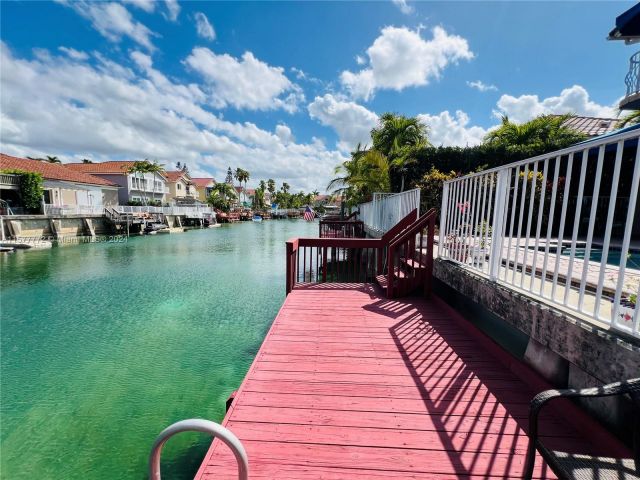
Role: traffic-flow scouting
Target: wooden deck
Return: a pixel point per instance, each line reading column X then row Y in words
column 348, row 384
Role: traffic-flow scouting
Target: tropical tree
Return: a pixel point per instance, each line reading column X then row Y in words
column 271, row 186
column 398, row 138
column 53, row 159
column 548, row 132
column 221, row 196
column 138, row 169
column 285, row 187
column 86, row 160
column 632, row 118
column 366, row 173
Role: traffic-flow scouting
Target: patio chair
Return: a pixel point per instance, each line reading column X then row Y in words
column 579, row 466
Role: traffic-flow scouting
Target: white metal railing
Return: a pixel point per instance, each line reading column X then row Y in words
column 9, row 179
column 547, row 225
column 196, row 210
column 73, row 209
column 204, row 426
column 387, row 209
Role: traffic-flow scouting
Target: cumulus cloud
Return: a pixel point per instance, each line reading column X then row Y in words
column 203, row 27
column 403, row 6
column 401, row 58
column 352, row 122
column 481, row 86
column 112, row 21
column 244, row 83
column 73, row 53
column 71, row 108
column 452, row 130
column 571, row 100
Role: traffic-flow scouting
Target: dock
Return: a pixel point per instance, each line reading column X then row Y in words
column 350, row 384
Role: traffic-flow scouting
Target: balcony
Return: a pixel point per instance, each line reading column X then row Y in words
column 631, row 101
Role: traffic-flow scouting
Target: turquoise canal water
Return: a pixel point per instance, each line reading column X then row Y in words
column 105, row 344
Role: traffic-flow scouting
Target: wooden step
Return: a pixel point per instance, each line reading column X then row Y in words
column 413, row 263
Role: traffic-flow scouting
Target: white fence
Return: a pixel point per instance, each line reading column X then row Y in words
column 194, row 210
column 558, row 226
column 73, row 209
column 387, row 209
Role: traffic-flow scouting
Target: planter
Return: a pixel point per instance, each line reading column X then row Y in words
column 626, row 310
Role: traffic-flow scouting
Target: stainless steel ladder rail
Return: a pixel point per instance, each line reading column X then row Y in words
column 204, row 426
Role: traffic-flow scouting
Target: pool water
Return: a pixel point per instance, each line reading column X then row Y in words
column 613, row 257
column 103, row 345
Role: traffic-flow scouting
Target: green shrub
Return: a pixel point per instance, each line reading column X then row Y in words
column 30, row 187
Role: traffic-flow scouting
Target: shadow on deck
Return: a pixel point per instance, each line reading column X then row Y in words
column 349, row 384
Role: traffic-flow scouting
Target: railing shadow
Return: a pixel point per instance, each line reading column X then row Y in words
column 478, row 408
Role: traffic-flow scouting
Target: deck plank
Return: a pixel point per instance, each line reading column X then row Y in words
column 348, row 384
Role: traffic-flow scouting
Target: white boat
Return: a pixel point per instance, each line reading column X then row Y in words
column 257, row 218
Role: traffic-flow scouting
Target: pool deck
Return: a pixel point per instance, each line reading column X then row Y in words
column 348, row 384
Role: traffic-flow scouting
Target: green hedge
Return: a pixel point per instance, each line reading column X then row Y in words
column 30, row 187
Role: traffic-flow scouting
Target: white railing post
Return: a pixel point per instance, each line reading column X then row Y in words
column 443, row 217
column 495, row 257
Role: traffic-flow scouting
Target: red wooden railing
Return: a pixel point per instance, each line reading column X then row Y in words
column 410, row 258
column 341, row 229
column 331, row 260
column 361, row 260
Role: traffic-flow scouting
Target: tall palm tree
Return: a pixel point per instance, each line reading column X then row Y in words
column 398, row 137
column 366, row 173
column 53, row 159
column 271, row 186
column 546, row 131
column 285, row 187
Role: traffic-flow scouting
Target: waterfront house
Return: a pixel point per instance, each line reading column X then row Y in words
column 142, row 188
column 203, row 186
column 181, row 189
column 63, row 186
column 591, row 126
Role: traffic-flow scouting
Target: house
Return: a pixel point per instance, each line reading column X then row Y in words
column 203, row 186
column 145, row 188
column 63, row 186
column 628, row 29
column 591, row 126
column 181, row 187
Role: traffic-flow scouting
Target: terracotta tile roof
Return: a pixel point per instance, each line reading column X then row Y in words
column 174, row 175
column 115, row 167
column 51, row 171
column 250, row 191
column 592, row 126
column 202, row 182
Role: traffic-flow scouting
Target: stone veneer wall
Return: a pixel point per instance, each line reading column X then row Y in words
column 565, row 350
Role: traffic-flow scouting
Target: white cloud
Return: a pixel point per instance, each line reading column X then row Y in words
column 403, row 6
column 203, row 27
column 352, row 122
column 571, row 100
column 449, row 130
column 401, row 58
column 173, row 10
column 360, row 60
column 73, row 109
column 113, row 21
column 246, row 82
column 481, row 86
column 73, row 53
column 147, row 5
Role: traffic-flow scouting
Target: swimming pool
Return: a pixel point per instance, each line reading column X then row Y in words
column 613, row 257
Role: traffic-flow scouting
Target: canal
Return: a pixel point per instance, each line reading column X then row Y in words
column 105, row 344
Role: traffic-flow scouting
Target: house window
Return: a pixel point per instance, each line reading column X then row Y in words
column 179, row 186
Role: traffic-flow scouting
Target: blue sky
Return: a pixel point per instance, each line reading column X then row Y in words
column 284, row 90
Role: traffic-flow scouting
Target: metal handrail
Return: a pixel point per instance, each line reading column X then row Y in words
column 632, row 78
column 204, row 426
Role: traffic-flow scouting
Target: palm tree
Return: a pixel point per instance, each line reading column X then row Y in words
column 53, row 159
column 398, row 137
column 142, row 167
column 366, row 173
column 271, row 186
column 549, row 132
column 632, row 118
column 86, row 160
column 285, row 187
column 220, row 195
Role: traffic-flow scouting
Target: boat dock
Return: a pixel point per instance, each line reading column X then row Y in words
column 351, row 384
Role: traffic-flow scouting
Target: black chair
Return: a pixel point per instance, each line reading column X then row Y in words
column 579, row 466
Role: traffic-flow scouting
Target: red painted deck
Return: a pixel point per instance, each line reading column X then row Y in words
column 348, row 384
